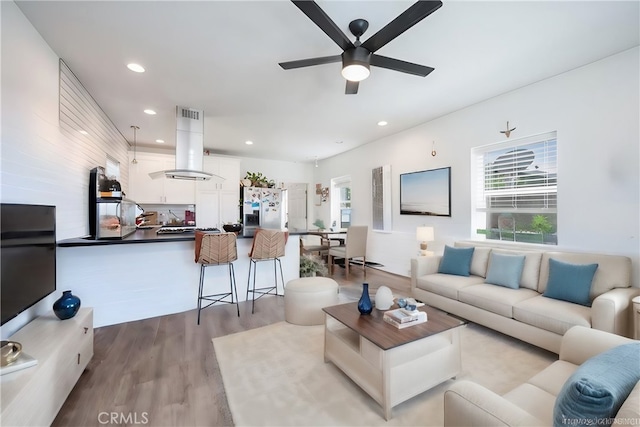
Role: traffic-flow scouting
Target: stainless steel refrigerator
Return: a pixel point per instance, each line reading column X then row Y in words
column 263, row 208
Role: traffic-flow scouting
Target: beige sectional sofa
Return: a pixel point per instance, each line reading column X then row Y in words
column 525, row 313
column 532, row 403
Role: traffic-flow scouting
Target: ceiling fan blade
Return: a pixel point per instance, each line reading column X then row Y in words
column 322, row 20
column 310, row 62
column 402, row 66
column 352, row 88
column 402, row 23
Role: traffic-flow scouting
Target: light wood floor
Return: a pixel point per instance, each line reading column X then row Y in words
column 163, row 371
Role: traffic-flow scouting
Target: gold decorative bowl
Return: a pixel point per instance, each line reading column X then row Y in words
column 9, row 352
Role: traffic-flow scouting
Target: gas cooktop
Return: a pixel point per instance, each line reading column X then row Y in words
column 187, row 229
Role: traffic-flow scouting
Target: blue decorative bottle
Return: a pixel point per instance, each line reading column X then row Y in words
column 66, row 306
column 364, row 305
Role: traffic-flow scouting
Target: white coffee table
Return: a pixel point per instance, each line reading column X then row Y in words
column 392, row 365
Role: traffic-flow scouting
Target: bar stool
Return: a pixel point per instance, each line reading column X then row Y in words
column 268, row 245
column 216, row 249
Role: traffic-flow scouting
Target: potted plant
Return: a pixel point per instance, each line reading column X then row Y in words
column 312, row 265
column 319, row 223
column 259, row 180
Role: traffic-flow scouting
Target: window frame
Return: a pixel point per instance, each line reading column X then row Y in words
column 525, row 174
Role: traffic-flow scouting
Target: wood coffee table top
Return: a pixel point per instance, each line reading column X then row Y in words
column 386, row 336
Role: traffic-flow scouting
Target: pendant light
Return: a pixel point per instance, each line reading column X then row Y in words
column 135, row 129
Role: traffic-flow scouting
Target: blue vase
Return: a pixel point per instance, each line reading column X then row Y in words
column 364, row 305
column 66, row 306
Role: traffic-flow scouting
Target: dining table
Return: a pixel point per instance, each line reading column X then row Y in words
column 330, row 235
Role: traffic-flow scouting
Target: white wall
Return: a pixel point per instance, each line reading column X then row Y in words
column 594, row 109
column 40, row 163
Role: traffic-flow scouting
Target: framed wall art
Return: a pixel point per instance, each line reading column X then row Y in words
column 426, row 192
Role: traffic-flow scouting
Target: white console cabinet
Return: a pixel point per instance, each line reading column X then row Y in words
column 33, row 396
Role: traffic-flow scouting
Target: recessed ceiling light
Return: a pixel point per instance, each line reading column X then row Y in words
column 160, row 141
column 84, row 132
column 249, row 142
column 382, row 123
column 338, row 142
column 136, row 68
column 150, row 112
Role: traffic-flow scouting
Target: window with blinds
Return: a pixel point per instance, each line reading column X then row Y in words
column 515, row 190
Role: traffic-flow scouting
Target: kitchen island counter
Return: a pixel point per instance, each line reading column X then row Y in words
column 144, row 236
column 124, row 282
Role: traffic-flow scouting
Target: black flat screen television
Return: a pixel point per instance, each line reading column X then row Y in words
column 27, row 256
column 426, row 192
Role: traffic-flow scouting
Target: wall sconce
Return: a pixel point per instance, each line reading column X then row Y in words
column 424, row 235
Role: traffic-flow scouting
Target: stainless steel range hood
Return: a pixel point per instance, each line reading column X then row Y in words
column 189, row 148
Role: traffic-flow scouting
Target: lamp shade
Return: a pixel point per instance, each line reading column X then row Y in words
column 424, row 234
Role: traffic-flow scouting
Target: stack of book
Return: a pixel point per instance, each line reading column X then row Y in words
column 403, row 318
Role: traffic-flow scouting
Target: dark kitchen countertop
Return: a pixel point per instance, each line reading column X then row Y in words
column 141, row 236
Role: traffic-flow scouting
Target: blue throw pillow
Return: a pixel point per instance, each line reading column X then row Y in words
column 594, row 393
column 456, row 261
column 570, row 282
column 505, row 270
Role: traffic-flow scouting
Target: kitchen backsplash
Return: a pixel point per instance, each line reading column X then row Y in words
column 171, row 214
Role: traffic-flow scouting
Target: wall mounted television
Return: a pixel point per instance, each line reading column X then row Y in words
column 426, row 192
column 28, row 256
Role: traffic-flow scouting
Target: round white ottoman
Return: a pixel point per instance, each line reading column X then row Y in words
column 305, row 297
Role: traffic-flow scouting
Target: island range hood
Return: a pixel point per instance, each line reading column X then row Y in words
column 189, row 148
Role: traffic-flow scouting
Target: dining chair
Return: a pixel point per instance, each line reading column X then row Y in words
column 308, row 247
column 212, row 249
column 355, row 246
column 268, row 245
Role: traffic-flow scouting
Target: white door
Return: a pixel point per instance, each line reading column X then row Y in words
column 297, row 206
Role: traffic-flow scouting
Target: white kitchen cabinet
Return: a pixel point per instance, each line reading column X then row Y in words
column 225, row 167
column 217, row 201
column 216, row 207
column 143, row 189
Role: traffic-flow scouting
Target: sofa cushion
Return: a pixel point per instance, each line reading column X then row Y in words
column 598, row 388
column 496, row 299
column 534, row 400
column 614, row 271
column 629, row 413
column 531, row 270
column 446, row 285
column 456, row 261
column 570, row 282
column 479, row 260
column 551, row 314
column 552, row 378
column 505, row 270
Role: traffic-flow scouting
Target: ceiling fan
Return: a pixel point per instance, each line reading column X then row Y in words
column 357, row 57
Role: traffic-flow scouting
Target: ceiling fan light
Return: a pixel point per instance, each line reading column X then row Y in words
column 355, row 64
column 355, row 72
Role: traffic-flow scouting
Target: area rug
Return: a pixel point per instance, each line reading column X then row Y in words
column 340, row 262
column 276, row 376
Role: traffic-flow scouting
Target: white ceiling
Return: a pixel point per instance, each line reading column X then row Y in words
column 222, row 57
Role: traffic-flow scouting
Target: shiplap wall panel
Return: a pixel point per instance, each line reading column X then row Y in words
column 79, row 111
column 42, row 160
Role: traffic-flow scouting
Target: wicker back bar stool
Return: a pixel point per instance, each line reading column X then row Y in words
column 214, row 249
column 268, row 245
